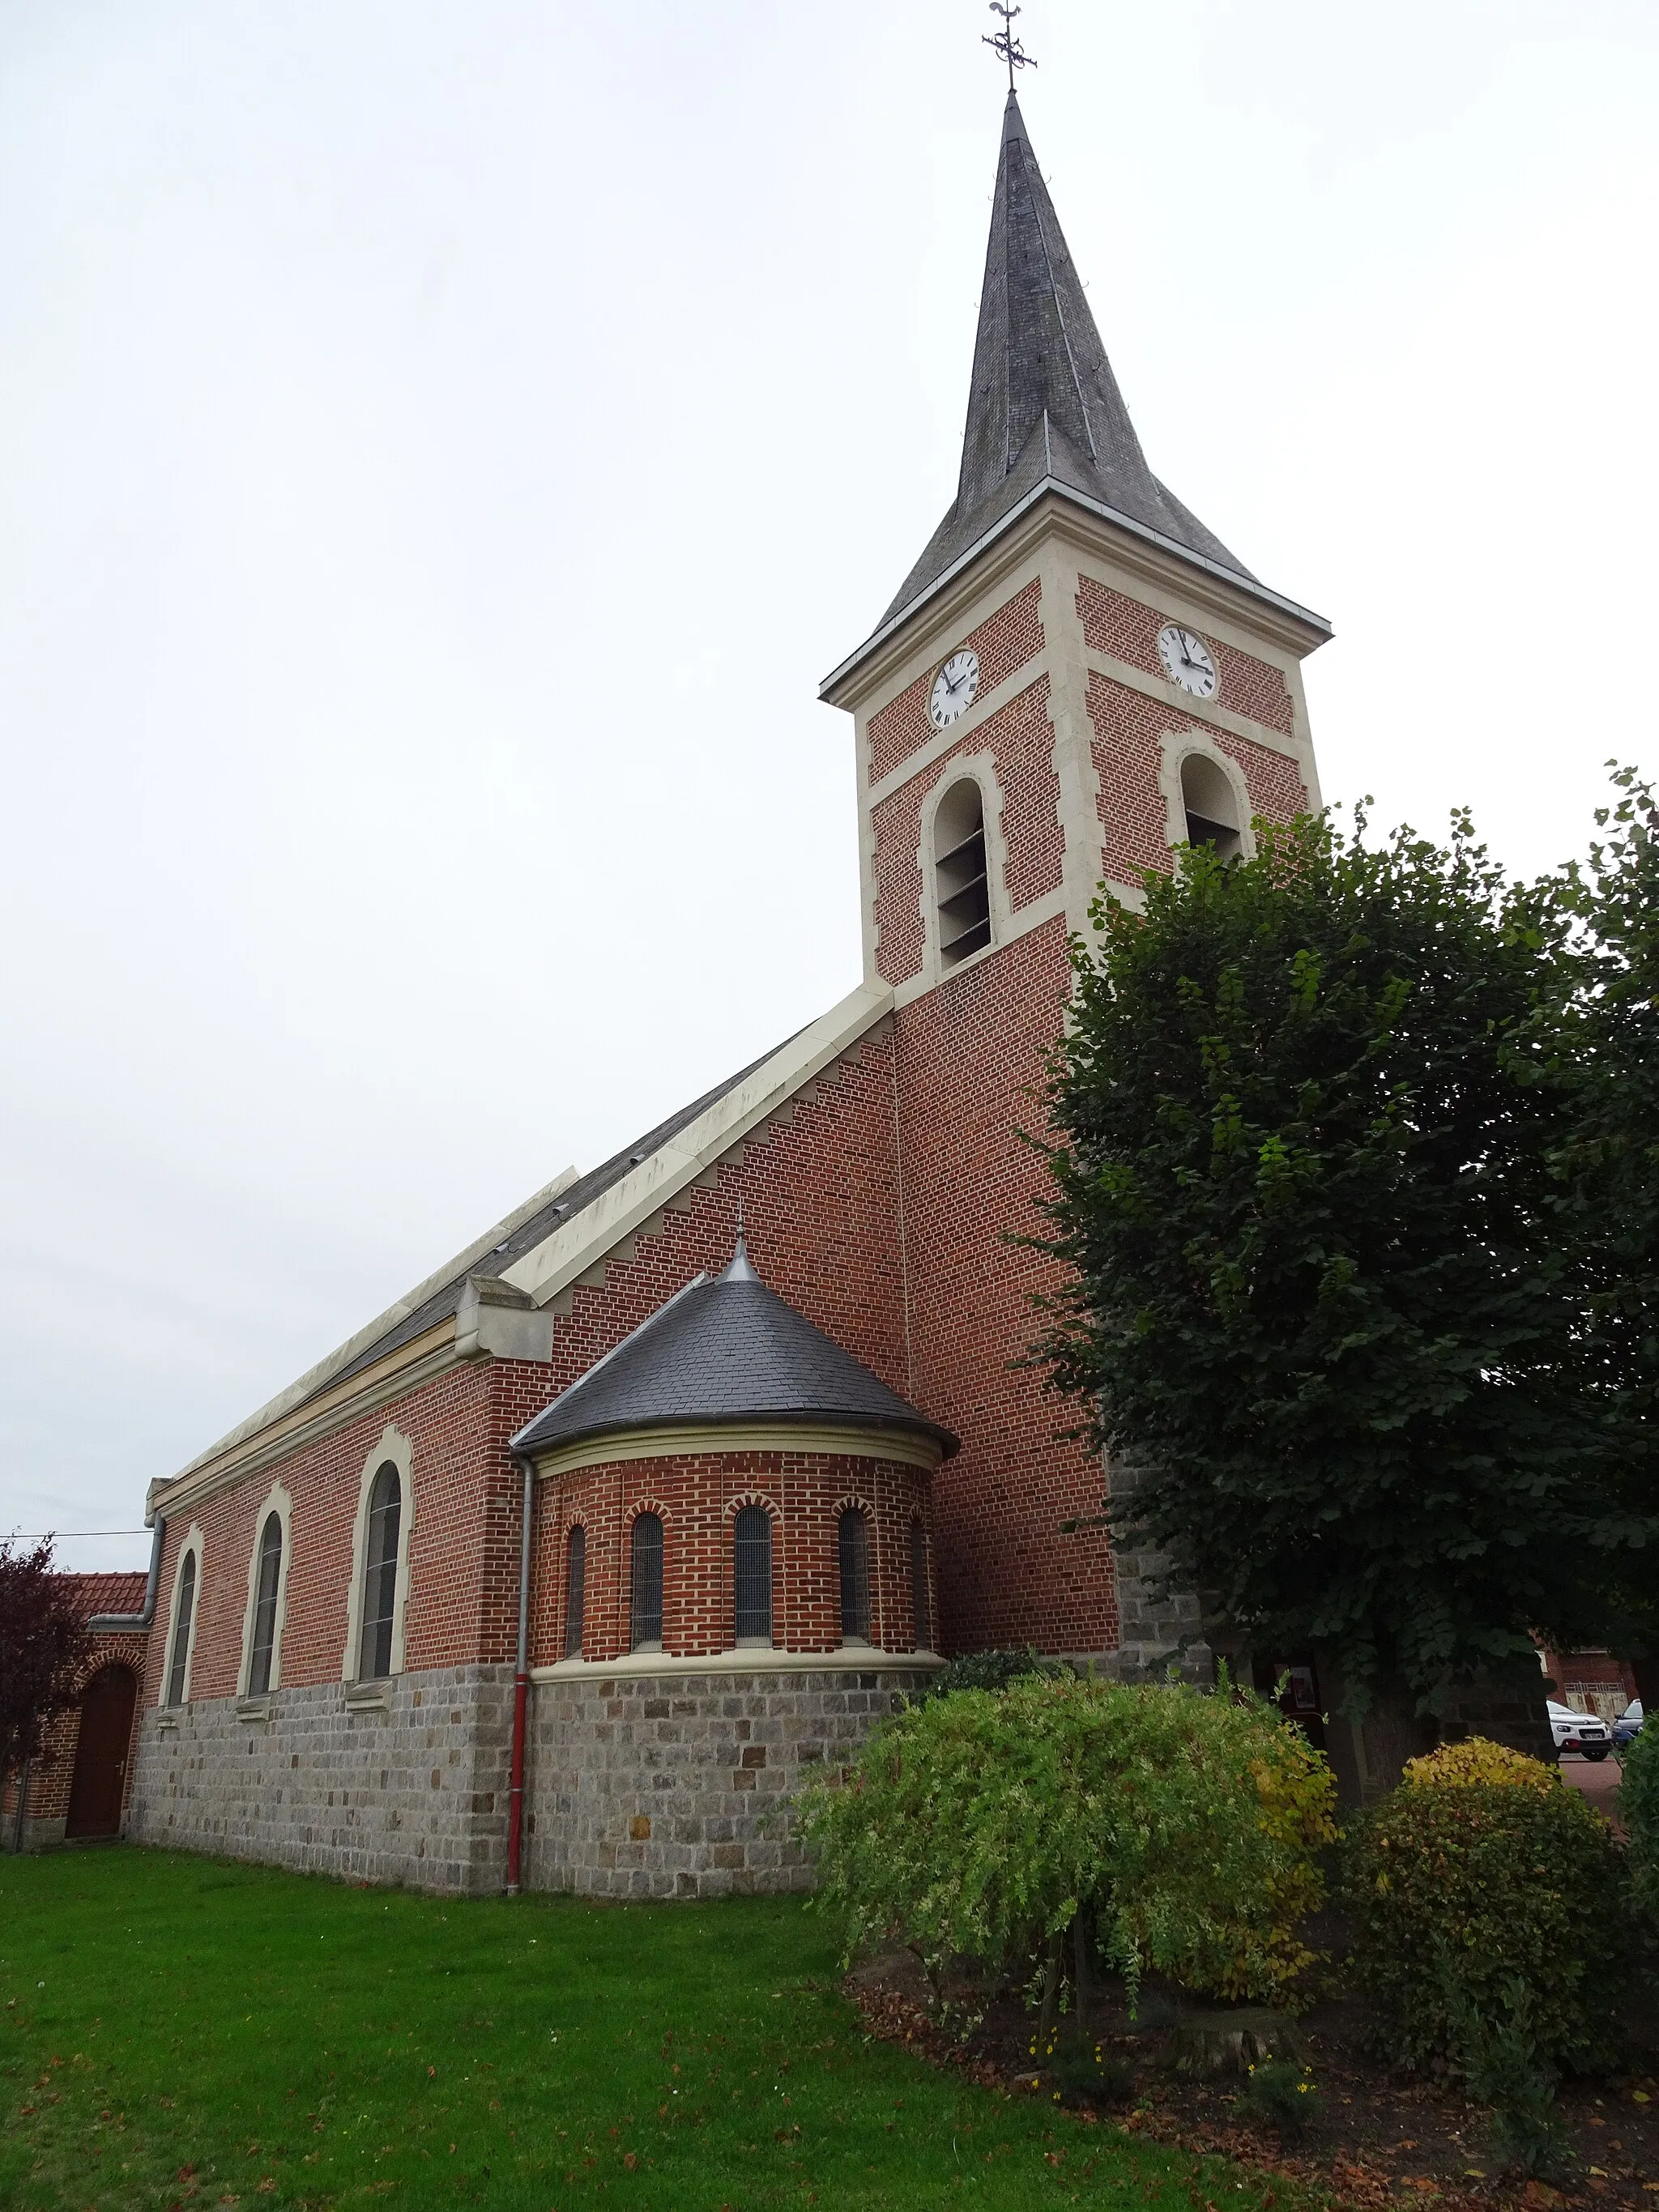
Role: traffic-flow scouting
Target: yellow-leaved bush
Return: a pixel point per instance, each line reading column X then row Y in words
column 1484, row 1869
column 1184, row 1827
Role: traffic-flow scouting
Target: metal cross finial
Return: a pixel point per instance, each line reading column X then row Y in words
column 1005, row 44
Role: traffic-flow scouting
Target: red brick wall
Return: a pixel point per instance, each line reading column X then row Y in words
column 1020, row 740
column 1005, row 641
column 1115, row 624
column 697, row 1495
column 463, row 1547
column 1129, row 731
column 820, row 1198
column 969, row 1079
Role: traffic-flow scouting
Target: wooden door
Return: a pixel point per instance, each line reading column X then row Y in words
column 101, row 1753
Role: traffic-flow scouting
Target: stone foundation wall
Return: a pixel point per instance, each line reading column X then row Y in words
column 414, row 1792
column 674, row 1784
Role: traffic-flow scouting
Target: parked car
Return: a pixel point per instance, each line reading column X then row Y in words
column 1628, row 1726
column 1580, row 1732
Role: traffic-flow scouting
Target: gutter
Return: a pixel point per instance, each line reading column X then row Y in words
column 108, row 1624
column 520, row 1687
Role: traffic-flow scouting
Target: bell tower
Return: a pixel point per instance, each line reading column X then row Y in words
column 1075, row 678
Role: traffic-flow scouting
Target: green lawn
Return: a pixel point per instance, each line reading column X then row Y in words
column 182, row 2030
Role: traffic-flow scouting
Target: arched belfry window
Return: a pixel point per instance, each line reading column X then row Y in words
column 646, row 1583
column 385, row 1506
column 575, row 1597
column 854, row 1562
column 960, row 875
column 751, row 1547
column 183, row 1612
column 264, row 1606
column 1211, row 805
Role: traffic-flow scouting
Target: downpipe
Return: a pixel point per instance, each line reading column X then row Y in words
column 520, row 1691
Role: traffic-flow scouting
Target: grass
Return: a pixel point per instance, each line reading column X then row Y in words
column 182, row 2031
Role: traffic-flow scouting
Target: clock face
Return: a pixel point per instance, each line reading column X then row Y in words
column 955, row 688
column 1188, row 661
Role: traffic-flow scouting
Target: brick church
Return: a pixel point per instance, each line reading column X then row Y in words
column 559, row 1570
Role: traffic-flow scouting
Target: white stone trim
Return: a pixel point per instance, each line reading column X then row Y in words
column 862, row 1659
column 277, row 1501
column 397, row 1448
column 979, row 768
column 685, row 1443
column 1180, row 745
column 616, row 1213
column 314, row 1379
column 194, row 1543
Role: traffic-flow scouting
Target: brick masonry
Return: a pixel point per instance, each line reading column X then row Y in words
column 697, row 1496
column 45, row 1808
column 645, row 1785
column 415, row 1792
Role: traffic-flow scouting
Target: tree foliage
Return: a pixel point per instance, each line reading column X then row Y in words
column 44, row 1646
column 1314, row 1119
column 1183, row 1827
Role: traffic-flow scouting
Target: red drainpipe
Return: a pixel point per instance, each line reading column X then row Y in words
column 520, row 1692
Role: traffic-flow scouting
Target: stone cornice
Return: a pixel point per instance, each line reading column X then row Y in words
column 845, row 1659
column 688, row 1443
column 419, row 1361
column 1094, row 529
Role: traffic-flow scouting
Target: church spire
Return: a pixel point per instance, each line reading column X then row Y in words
column 1044, row 404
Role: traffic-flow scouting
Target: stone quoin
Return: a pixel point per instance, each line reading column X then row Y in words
column 771, row 1478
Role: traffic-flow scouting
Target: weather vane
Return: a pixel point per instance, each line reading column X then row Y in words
column 1005, row 44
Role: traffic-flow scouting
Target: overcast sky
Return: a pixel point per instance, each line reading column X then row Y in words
column 443, row 445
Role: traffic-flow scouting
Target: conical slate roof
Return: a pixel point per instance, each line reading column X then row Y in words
column 1044, row 402
column 729, row 1350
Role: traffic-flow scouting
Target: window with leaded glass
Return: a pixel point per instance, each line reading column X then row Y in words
column 179, row 1659
column 386, row 1508
column 575, row 1592
column 264, row 1606
column 854, row 1576
column 921, row 1599
column 645, row 1582
column 752, row 1545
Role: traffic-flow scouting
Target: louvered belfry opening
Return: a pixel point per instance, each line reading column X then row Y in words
column 645, row 1582
column 264, row 1606
column 751, row 1543
column 854, row 1576
column 959, row 870
column 1211, row 807
column 575, row 1596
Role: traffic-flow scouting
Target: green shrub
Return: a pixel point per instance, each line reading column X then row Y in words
column 1184, row 1828
column 1504, row 2069
column 1281, row 2092
column 1639, row 1801
column 987, row 1670
column 1484, row 1870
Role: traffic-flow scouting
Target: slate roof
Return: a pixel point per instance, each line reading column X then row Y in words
column 1044, row 402
column 729, row 1350
column 530, row 1232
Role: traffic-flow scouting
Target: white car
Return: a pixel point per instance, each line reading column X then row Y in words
column 1579, row 1731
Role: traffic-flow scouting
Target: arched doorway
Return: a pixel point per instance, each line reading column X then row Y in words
column 100, row 1753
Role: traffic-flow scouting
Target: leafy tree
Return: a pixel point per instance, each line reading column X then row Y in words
column 1606, row 1043
column 1307, row 1183
column 44, row 1645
